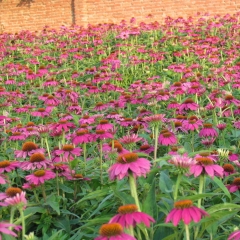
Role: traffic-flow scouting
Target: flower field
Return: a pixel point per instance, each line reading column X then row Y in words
column 121, row 131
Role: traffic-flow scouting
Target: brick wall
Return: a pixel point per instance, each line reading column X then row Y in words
column 16, row 15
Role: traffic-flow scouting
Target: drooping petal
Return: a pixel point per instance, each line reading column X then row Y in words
column 186, row 216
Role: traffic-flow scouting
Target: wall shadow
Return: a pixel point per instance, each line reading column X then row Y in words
column 25, row 3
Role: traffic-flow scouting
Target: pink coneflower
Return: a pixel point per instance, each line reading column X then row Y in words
column 235, row 186
column 146, row 148
column 123, row 35
column 129, row 162
column 114, row 144
column 63, row 125
column 28, row 149
column 233, row 156
column 208, row 131
column 130, row 139
column 31, row 131
column 41, row 112
column 221, row 126
column 237, row 124
column 87, row 119
column 188, row 104
column 69, row 150
column 51, row 100
column 102, row 134
column 37, row 160
column 130, row 216
column 185, row 210
column 40, row 176
column 17, row 136
column 167, row 138
column 100, row 106
column 19, row 199
column 182, row 162
column 77, row 177
column 5, row 229
column 2, row 179
column 205, row 165
column 155, row 119
column 114, row 115
column 193, row 123
column 173, row 105
column 62, row 170
column 9, row 193
column 104, row 125
column 234, row 235
column 8, row 166
column 208, row 141
column 126, row 122
column 228, row 169
column 75, row 108
column 81, row 136
column 230, row 99
column 113, row 231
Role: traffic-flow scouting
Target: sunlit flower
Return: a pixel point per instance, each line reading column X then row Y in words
column 102, row 134
column 205, row 165
column 129, row 162
column 81, row 136
column 40, row 176
column 185, row 210
column 69, row 150
column 128, row 215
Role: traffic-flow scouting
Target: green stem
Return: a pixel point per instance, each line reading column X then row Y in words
column 49, row 155
column 192, row 141
column 101, row 173
column 13, row 209
column 187, row 232
column 130, row 230
column 200, row 189
column 133, row 189
column 57, row 183
column 44, row 193
column 36, row 196
column 175, row 194
column 155, row 145
column 23, row 223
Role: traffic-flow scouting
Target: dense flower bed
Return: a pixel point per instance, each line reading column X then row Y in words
column 121, row 131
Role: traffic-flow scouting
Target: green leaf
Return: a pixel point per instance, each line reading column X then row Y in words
column 165, row 183
column 223, row 206
column 199, row 196
column 223, row 187
column 124, row 197
column 53, row 202
column 149, row 205
column 33, row 210
column 66, row 189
